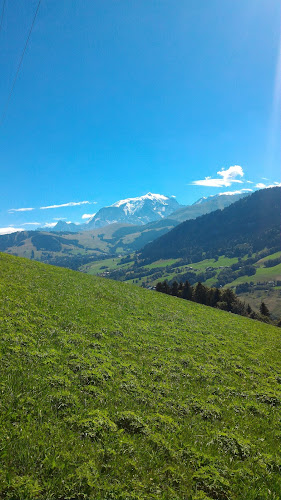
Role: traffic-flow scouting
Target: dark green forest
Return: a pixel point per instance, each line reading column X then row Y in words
column 248, row 225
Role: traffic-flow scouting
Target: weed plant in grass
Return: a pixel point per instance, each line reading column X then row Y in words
column 112, row 392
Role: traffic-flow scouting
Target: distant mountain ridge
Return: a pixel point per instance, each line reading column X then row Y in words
column 147, row 209
column 206, row 205
column 208, row 233
column 138, row 211
column 63, row 227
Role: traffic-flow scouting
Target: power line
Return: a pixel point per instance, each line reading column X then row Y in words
column 2, row 14
column 19, row 66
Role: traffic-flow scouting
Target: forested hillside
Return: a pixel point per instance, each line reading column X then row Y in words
column 249, row 225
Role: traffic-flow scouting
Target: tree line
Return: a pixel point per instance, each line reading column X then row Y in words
column 224, row 299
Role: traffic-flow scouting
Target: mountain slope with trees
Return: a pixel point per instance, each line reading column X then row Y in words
column 249, row 225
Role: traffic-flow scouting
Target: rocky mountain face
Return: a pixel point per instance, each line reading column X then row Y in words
column 142, row 210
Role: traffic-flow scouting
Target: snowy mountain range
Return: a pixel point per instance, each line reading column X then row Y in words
column 149, row 208
column 141, row 210
column 206, row 205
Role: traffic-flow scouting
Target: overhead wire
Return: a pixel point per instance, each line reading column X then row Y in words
column 3, row 115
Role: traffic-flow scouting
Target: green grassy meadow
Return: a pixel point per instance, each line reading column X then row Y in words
column 112, row 392
column 262, row 274
column 271, row 297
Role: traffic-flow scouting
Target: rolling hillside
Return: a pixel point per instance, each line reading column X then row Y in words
column 75, row 250
column 111, row 392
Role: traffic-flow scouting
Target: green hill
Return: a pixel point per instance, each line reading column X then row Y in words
column 76, row 250
column 109, row 391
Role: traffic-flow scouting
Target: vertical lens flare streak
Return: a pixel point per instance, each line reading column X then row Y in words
column 273, row 145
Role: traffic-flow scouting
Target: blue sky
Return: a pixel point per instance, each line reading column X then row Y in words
column 118, row 98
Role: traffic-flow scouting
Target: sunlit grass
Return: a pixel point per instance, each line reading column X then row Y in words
column 112, row 392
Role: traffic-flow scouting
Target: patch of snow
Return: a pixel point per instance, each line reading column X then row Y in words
column 149, row 196
column 231, row 193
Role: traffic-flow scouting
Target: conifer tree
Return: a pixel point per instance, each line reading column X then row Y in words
column 180, row 289
column 213, row 296
column 249, row 309
column 174, row 289
column 264, row 309
column 200, row 294
column 230, row 298
column 187, row 291
column 166, row 288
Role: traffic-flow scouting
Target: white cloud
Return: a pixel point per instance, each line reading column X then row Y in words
column 261, row 185
column 239, row 191
column 228, row 177
column 12, row 210
column 69, row 204
column 87, row 216
column 10, row 229
column 49, row 224
column 59, row 218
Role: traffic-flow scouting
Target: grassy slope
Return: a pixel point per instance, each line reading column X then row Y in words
column 262, row 274
column 271, row 297
column 100, row 266
column 114, row 392
column 94, row 268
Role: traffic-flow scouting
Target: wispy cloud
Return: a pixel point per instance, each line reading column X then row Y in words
column 87, row 216
column 227, row 177
column 59, row 218
column 12, row 210
column 239, row 191
column 261, row 185
column 31, row 224
column 49, row 224
column 69, row 204
column 10, row 229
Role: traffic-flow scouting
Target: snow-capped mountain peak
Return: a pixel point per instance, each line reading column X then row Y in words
column 201, row 200
column 133, row 201
column 140, row 210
